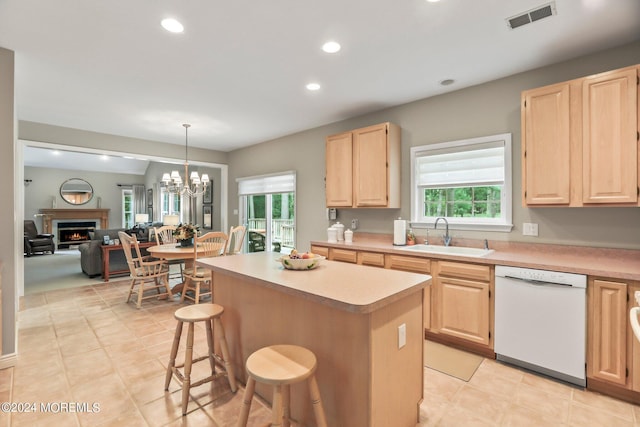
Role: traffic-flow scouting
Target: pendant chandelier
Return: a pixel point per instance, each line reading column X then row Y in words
column 174, row 182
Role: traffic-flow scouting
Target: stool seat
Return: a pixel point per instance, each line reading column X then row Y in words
column 281, row 364
column 210, row 315
column 198, row 312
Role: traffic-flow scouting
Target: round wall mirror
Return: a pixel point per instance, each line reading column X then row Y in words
column 76, row 191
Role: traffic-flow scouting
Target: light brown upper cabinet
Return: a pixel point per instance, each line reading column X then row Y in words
column 580, row 141
column 363, row 168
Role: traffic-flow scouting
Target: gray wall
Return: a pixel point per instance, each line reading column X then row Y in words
column 8, row 220
column 487, row 109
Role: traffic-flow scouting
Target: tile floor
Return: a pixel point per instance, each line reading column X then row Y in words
column 86, row 345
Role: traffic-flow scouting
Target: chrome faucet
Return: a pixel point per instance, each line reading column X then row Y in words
column 446, row 238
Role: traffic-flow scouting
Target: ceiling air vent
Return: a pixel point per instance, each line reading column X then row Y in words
column 532, row 15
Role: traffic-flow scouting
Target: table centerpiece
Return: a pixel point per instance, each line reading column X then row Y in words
column 185, row 233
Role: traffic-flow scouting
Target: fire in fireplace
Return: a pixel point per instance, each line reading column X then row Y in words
column 74, row 233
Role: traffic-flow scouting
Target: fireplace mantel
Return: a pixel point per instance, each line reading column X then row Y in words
column 48, row 215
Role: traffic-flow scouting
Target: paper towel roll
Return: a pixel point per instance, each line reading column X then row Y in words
column 399, row 232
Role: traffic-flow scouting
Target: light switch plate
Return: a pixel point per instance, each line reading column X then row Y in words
column 402, row 335
column 529, row 229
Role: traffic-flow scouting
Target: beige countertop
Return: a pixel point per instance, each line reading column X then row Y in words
column 348, row 287
column 603, row 262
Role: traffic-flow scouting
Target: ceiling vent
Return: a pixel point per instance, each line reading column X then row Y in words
column 532, row 15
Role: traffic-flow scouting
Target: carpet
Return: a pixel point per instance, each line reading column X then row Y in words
column 45, row 272
column 451, row 361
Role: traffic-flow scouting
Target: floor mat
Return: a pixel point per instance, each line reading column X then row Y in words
column 451, row 361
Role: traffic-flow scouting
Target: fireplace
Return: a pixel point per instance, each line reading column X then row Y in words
column 49, row 215
column 74, row 233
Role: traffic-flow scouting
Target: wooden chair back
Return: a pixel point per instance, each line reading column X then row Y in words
column 210, row 244
column 236, row 238
column 164, row 234
column 129, row 243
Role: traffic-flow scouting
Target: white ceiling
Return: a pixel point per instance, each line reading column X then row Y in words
column 239, row 70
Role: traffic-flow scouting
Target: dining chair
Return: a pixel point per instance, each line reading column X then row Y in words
column 236, row 238
column 146, row 274
column 198, row 279
column 164, row 235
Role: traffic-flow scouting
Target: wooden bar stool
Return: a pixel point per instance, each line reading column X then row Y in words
column 281, row 366
column 210, row 314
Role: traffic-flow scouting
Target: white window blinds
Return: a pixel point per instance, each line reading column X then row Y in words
column 463, row 165
column 267, row 184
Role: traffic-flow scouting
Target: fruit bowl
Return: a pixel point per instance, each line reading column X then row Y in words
column 300, row 263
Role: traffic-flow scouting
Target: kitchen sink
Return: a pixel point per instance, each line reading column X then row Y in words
column 449, row 250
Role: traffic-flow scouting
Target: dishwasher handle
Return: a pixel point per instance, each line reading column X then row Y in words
column 537, row 282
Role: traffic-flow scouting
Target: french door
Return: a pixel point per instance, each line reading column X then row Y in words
column 267, row 209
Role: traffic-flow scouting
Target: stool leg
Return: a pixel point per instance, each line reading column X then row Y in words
column 286, row 405
column 222, row 341
column 210, row 334
column 172, row 357
column 246, row 402
column 318, row 410
column 277, row 409
column 188, row 361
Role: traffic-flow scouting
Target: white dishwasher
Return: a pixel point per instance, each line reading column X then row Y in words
column 540, row 321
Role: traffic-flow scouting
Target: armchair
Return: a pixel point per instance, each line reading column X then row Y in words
column 36, row 242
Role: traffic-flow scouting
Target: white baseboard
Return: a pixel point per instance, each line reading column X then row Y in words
column 8, row 360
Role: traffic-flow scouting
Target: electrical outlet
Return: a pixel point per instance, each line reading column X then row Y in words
column 529, row 229
column 402, row 335
column 354, row 224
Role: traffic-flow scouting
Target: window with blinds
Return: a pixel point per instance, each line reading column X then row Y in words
column 468, row 182
column 267, row 184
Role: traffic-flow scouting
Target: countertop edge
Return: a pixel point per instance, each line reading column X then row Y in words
column 334, row 303
column 598, row 262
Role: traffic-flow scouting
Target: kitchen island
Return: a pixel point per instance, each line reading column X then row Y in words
column 350, row 316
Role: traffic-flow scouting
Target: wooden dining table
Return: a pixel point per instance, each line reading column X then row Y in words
column 175, row 251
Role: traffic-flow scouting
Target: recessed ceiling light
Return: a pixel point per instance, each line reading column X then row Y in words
column 447, row 82
column 433, row 1
column 172, row 25
column 313, row 86
column 331, row 47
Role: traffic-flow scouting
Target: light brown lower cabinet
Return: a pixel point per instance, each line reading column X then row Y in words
column 613, row 352
column 344, row 255
column 374, row 259
column 320, row 250
column 461, row 306
column 458, row 308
